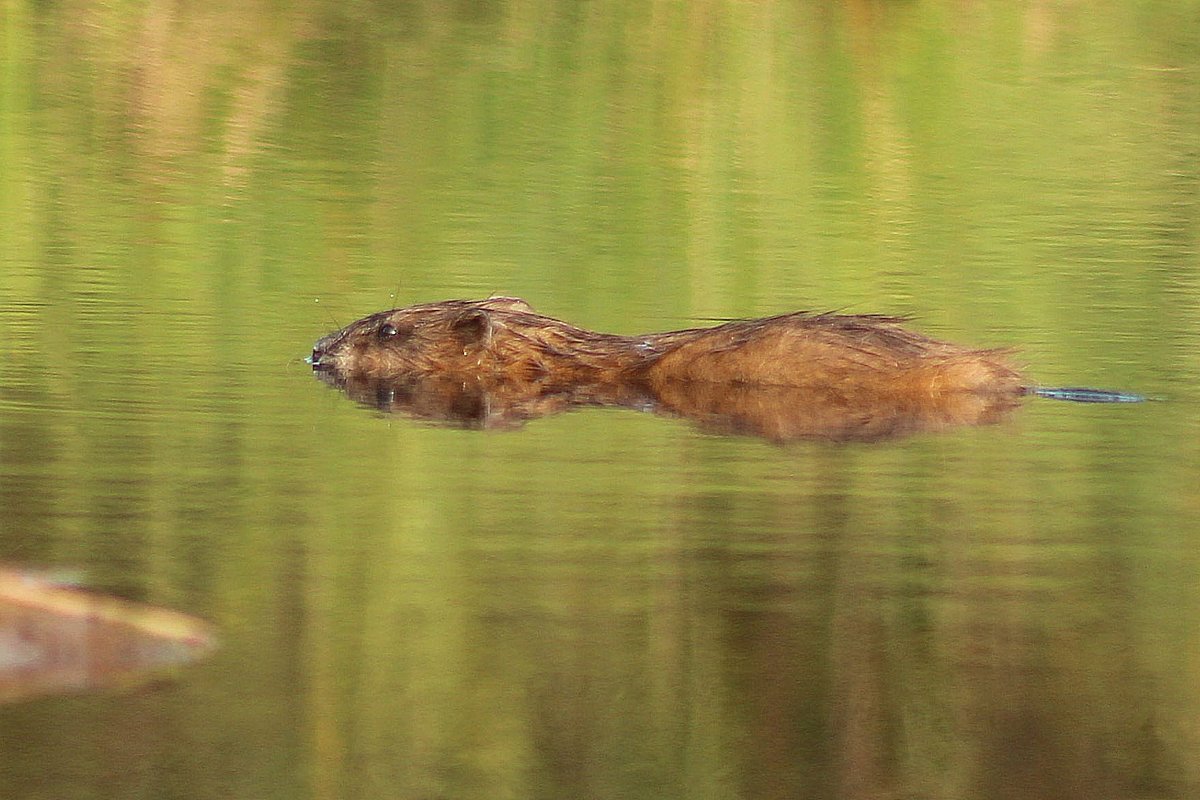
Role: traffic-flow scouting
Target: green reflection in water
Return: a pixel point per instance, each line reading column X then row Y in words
column 605, row 604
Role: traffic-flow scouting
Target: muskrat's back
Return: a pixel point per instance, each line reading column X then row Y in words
column 502, row 340
column 845, row 353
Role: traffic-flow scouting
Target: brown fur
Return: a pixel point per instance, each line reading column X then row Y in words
column 502, row 341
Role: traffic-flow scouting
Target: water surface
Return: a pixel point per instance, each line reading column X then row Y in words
column 605, row 603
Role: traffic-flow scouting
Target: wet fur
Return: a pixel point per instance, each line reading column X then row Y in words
column 502, row 341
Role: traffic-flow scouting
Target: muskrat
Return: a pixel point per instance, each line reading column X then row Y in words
column 797, row 375
column 503, row 340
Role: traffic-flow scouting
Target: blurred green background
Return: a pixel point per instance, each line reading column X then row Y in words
column 605, row 604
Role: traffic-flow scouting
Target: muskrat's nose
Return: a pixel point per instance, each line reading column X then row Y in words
column 322, row 347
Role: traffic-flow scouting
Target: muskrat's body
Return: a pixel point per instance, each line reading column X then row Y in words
column 502, row 341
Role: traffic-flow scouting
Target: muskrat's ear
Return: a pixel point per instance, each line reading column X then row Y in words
column 474, row 326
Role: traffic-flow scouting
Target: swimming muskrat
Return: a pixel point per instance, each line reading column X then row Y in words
column 499, row 352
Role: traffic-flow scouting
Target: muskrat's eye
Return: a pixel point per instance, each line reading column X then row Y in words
column 387, row 331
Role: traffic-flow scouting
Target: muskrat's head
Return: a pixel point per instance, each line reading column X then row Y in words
column 446, row 338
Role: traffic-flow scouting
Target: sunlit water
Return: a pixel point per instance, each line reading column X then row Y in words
column 606, row 603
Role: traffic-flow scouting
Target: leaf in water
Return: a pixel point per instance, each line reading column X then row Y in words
column 55, row 638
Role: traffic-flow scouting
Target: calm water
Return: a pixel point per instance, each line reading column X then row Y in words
column 605, row 604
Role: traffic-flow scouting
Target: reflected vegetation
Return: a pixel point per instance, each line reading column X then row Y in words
column 56, row 638
column 606, row 606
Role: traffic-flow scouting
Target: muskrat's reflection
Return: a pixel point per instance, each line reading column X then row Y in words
column 777, row 413
column 788, row 414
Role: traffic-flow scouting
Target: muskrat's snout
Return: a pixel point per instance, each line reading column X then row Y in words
column 315, row 359
column 323, row 347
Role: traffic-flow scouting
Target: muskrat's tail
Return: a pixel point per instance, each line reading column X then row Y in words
column 1079, row 395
